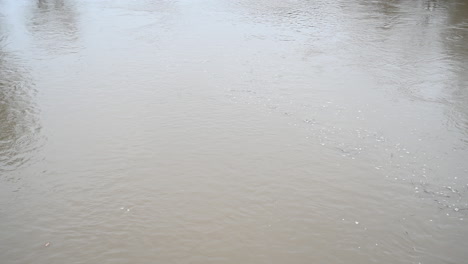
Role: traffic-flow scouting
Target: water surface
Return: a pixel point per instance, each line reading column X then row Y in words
column 215, row 131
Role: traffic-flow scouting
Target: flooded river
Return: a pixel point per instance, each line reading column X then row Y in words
column 233, row 131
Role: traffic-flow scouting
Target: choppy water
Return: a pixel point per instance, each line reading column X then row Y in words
column 240, row 131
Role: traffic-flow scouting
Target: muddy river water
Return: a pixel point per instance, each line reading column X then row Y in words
column 233, row 131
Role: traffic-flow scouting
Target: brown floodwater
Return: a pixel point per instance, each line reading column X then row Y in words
column 233, row 131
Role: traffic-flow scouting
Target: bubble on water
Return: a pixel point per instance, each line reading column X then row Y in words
column 357, row 223
column 128, row 209
column 121, row 208
column 456, row 209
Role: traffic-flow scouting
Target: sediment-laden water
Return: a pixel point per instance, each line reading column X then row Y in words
column 241, row 131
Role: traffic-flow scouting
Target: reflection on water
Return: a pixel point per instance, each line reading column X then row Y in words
column 19, row 126
column 53, row 23
column 243, row 131
column 456, row 39
column 426, row 48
